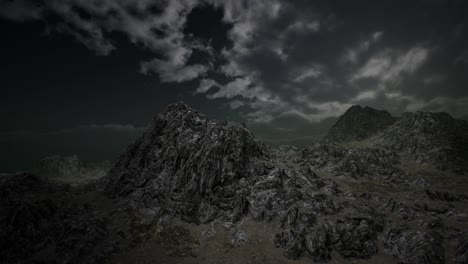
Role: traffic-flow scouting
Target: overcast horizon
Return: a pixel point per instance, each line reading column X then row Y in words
column 86, row 77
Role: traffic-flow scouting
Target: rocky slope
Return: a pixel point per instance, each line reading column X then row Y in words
column 198, row 170
column 187, row 165
column 194, row 190
column 359, row 123
column 432, row 138
column 436, row 139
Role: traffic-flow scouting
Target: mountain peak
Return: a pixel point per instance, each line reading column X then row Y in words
column 354, row 108
column 359, row 123
column 190, row 158
column 427, row 115
column 178, row 107
column 433, row 138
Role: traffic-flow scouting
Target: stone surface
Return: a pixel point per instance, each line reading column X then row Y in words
column 415, row 246
column 328, row 202
column 431, row 138
column 359, row 123
column 352, row 161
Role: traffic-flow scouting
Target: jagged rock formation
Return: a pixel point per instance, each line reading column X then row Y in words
column 352, row 161
column 433, row 138
column 286, row 153
column 415, row 246
column 445, row 196
column 187, row 165
column 359, row 123
column 70, row 169
column 430, row 138
column 352, row 231
column 376, row 165
column 199, row 171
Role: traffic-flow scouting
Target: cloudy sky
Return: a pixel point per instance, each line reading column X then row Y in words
column 86, row 76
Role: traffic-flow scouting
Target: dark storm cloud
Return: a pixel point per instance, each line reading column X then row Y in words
column 271, row 59
column 91, row 22
column 21, row 10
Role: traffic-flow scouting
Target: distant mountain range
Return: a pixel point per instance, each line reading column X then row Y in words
column 431, row 138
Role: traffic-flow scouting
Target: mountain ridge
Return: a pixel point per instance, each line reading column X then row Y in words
column 192, row 189
column 434, row 138
column 359, row 123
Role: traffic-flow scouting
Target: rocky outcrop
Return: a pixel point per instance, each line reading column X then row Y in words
column 200, row 171
column 446, row 196
column 353, row 161
column 189, row 166
column 352, row 232
column 415, row 247
column 359, row 123
column 432, row 138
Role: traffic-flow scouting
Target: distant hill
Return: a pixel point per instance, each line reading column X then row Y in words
column 70, row 169
column 437, row 139
column 433, row 138
column 359, row 123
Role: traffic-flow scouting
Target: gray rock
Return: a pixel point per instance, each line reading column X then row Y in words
column 238, row 238
column 355, row 162
column 446, row 196
column 431, row 138
column 359, row 123
column 416, row 247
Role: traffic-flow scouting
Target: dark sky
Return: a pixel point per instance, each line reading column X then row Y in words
column 85, row 77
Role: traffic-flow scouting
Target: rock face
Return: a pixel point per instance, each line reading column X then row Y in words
column 187, row 165
column 191, row 169
column 70, row 169
column 359, row 123
column 200, row 171
column 430, row 138
column 352, row 161
column 415, row 246
column 433, row 138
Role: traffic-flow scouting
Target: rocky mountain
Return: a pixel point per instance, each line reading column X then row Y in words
column 70, row 169
column 187, row 165
column 194, row 190
column 432, row 138
column 359, row 123
column 201, row 171
column 436, row 139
